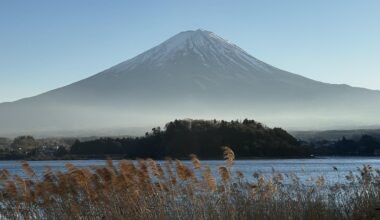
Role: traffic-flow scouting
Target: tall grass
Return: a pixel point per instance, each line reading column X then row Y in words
column 173, row 190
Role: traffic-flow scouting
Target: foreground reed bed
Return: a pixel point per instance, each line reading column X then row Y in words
column 147, row 189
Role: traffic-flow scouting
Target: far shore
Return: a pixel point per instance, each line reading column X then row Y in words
column 121, row 157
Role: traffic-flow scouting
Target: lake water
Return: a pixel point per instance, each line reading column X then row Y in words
column 303, row 168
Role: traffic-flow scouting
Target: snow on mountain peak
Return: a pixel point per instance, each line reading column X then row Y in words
column 205, row 45
column 198, row 38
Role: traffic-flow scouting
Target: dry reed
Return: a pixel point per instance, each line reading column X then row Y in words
column 147, row 189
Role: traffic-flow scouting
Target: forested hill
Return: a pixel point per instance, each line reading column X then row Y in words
column 180, row 138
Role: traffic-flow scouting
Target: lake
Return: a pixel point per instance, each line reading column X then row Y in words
column 303, row 168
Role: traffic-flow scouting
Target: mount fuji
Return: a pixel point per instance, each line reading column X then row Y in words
column 194, row 74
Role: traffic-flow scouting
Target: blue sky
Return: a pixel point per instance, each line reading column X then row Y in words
column 45, row 44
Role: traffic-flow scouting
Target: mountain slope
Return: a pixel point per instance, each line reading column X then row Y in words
column 194, row 74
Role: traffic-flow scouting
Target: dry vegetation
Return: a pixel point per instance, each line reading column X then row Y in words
column 171, row 190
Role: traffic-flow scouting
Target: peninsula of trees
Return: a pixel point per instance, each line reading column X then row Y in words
column 180, row 138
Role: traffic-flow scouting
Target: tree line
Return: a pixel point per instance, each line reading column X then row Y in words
column 204, row 138
column 366, row 145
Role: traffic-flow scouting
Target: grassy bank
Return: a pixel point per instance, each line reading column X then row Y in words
column 172, row 190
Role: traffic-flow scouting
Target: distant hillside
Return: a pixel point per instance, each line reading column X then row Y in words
column 181, row 138
column 333, row 135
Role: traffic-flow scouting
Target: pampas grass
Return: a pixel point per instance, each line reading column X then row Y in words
column 147, row 189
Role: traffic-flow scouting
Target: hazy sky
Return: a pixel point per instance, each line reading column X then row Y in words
column 48, row 44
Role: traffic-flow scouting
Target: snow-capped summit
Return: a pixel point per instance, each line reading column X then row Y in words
column 201, row 45
column 194, row 74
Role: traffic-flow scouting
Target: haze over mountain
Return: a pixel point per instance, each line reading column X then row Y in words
column 195, row 74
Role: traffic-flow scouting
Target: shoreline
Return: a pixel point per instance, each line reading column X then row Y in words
column 115, row 157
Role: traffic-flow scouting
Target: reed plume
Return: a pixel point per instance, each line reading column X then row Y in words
column 195, row 161
column 210, row 180
column 27, row 169
column 229, row 156
column 224, row 174
column 183, row 172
